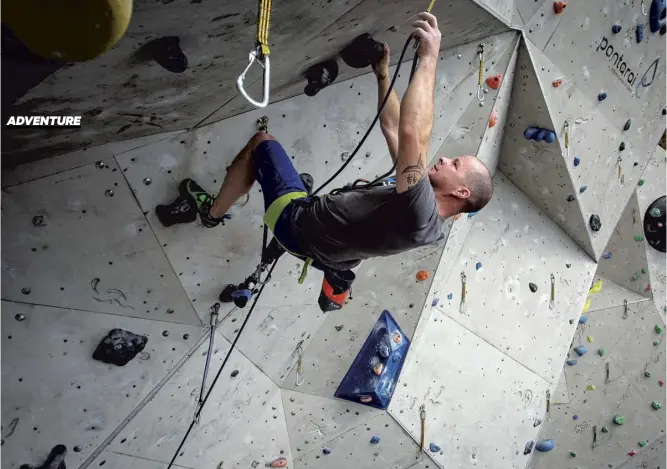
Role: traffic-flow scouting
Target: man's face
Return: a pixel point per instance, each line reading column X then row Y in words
column 447, row 176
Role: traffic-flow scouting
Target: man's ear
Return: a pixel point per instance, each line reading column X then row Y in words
column 462, row 192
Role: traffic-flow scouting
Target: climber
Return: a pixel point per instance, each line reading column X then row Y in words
column 338, row 231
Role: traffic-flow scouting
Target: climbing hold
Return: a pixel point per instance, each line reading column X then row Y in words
column 596, row 287
column 570, row 198
column 26, row 290
column 616, row 28
column 545, row 445
column 38, row 220
column 493, row 118
column 583, row 319
column 494, row 81
column 655, row 212
column 165, row 333
column 607, row 255
column 573, row 454
column 529, row 447
column 378, row 369
column 320, row 76
column 619, row 419
column 658, row 329
column 621, row 147
column 186, row 336
column 636, row 276
column 280, row 462
column 595, row 223
column 627, row 125
column 375, row 440
column 643, row 443
column 532, row 287
column 648, row 288
column 559, row 7
column 537, row 423
column 575, row 417
column 384, row 349
column 434, row 448
column 602, row 96
column 604, row 430
column 643, row 270
column 422, row 275
column 576, row 161
column 557, row 83
column 108, row 193
column 587, row 305
column 590, row 387
column 326, row 451
column 639, row 238
column 119, row 347
column 639, row 33
column 582, row 189
column 147, row 181
column 234, row 373
column 571, row 362
column 19, row 317
column 478, row 266
column 601, row 351
column 55, row 459
column 100, row 165
column 589, row 339
column 166, row 51
column 661, row 383
column 472, row 214
column 362, row 52
column 632, row 453
column 647, row 374
column 539, row 134
column 580, row 350
column 435, row 302
column 656, row 343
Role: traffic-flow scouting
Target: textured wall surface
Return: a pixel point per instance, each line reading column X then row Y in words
column 484, row 369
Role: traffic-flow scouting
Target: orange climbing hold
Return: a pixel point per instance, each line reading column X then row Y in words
column 422, row 275
column 493, row 119
column 280, row 462
column 557, row 83
column 494, row 81
column 559, row 7
column 458, row 215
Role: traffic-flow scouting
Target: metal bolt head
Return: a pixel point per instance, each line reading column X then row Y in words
column 523, row 67
column 109, row 193
column 368, row 154
column 481, row 104
column 147, row 181
column 293, row 413
column 291, row 399
column 19, row 317
column 100, row 165
column 486, row 90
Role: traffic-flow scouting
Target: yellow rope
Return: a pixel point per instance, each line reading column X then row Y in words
column 263, row 23
column 430, row 7
column 481, row 71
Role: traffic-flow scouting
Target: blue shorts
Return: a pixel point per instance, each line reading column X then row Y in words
column 280, row 184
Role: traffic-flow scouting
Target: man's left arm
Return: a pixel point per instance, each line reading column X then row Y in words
column 390, row 116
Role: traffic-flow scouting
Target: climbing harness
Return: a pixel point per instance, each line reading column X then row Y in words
column 299, row 364
column 260, row 55
column 567, row 139
column 480, row 78
column 462, row 308
column 422, row 417
column 552, row 302
column 214, row 323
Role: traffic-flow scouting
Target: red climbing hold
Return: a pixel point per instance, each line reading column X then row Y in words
column 422, row 275
column 661, row 383
column 494, row 81
column 557, row 83
column 632, row 453
column 280, row 462
column 559, row 7
column 493, row 119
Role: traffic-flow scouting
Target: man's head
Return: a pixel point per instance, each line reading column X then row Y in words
column 463, row 184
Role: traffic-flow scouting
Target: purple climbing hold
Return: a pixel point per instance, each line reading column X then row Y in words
column 435, row 302
column 575, row 417
column 640, row 33
column 607, row 255
column 530, row 133
column 576, row 161
column 583, row 319
column 581, row 350
column 550, row 136
column 616, row 29
column 326, row 451
column 602, row 96
column 449, row 296
column 539, row 135
column 434, row 448
column 657, row 15
column 478, row 266
column 582, row 189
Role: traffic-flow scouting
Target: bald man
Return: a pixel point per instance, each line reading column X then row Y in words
column 337, row 231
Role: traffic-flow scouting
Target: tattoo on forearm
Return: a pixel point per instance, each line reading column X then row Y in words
column 382, row 76
column 414, row 173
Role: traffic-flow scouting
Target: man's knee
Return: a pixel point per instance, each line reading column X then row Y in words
column 258, row 138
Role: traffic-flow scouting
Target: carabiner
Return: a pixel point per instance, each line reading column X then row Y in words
column 266, row 65
column 644, row 12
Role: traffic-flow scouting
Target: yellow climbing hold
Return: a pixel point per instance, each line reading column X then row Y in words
column 597, row 286
column 590, row 387
column 589, row 338
column 587, row 305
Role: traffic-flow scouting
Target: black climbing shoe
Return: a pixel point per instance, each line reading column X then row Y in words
column 192, row 199
column 307, row 181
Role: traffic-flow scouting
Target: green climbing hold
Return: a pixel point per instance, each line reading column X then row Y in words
column 643, row 270
column 639, row 238
column 647, row 374
column 619, row 419
column 640, row 182
column 643, row 444
column 573, row 454
column 601, row 352
column 655, row 212
column 656, row 405
column 604, row 430
column 636, row 276
column 656, row 342
column 659, row 329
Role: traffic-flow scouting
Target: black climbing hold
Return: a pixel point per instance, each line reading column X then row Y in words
column 320, row 76
column 657, row 15
column 234, row 373
column 165, row 333
column 663, row 30
column 664, row 112
column 528, row 448
column 570, row 198
column 38, row 220
column 616, row 29
column 654, row 224
column 19, row 317
column 166, row 51
column 595, row 223
column 602, row 96
column 25, row 291
column 568, row 265
column 55, row 460
column 77, row 449
column 362, row 52
column 627, row 125
column 119, row 347
column 639, row 32
column 186, row 336
column 621, row 147
column 532, row 287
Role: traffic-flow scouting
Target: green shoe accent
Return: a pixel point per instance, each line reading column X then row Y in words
column 196, row 193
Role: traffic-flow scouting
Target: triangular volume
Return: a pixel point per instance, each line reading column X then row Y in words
column 624, row 259
column 371, row 379
column 531, row 155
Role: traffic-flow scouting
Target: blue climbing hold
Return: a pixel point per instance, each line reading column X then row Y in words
column 640, row 33
column 478, row 266
column 657, row 15
column 580, row 349
column 549, row 136
column 545, row 445
column 571, row 362
column 576, row 161
column 539, row 135
column 450, row 296
column 607, row 255
column 434, row 448
column 530, row 133
column 472, row 214
column 582, row 189
column 583, row 319
column 575, row 417
column 375, row 440
column 602, row 96
column 326, row 451
column 360, row 383
column 435, row 302
column 616, row 29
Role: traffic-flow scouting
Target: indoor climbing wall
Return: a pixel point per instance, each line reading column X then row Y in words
column 534, row 329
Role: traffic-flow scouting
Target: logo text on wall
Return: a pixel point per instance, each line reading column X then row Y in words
column 44, row 121
column 623, row 72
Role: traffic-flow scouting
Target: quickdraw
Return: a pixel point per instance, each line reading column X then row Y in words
column 480, row 78
column 299, row 364
column 463, row 308
column 552, row 302
column 567, row 139
column 260, row 55
column 621, row 177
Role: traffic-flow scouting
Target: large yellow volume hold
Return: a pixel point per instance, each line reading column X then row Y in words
column 68, row 30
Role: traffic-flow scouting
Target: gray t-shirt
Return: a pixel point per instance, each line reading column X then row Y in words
column 343, row 229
